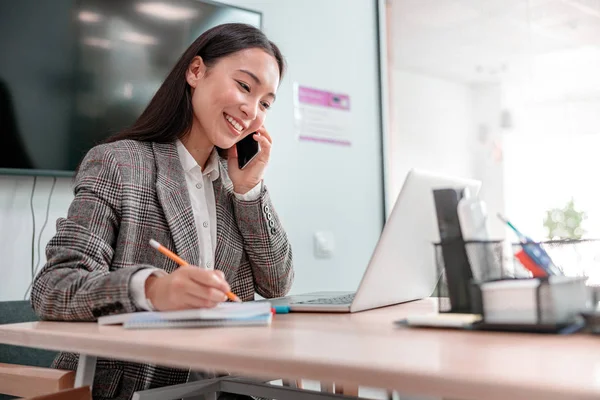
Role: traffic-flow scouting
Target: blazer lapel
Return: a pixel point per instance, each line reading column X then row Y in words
column 174, row 198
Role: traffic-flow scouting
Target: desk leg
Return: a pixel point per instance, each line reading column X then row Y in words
column 347, row 390
column 186, row 390
column 327, row 387
column 86, row 368
column 256, row 389
column 290, row 383
column 203, row 376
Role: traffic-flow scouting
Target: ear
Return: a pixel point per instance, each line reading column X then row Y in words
column 195, row 71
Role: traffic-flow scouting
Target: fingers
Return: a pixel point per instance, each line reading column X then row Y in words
column 200, row 294
column 187, row 287
column 185, row 292
column 209, row 278
column 263, row 132
column 265, row 144
column 193, row 302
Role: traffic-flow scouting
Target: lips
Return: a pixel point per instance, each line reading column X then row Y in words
column 234, row 123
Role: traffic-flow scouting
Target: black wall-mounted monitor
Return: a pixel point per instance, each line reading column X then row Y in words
column 73, row 72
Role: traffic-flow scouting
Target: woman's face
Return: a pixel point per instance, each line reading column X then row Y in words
column 230, row 100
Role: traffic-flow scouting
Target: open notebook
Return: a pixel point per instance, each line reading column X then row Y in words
column 225, row 314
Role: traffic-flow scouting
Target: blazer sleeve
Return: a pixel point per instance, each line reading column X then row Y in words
column 266, row 244
column 77, row 282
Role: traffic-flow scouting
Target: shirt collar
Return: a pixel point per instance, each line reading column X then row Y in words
column 188, row 163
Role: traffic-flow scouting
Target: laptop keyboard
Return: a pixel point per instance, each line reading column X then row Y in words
column 346, row 299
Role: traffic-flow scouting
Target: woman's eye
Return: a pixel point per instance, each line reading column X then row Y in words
column 244, row 86
column 266, row 105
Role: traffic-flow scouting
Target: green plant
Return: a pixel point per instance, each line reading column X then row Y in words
column 565, row 223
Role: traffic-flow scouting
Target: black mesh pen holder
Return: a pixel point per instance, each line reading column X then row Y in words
column 574, row 258
column 540, row 305
column 462, row 266
column 494, row 280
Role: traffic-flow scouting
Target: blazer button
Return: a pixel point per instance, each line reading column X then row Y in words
column 271, row 223
column 269, row 216
column 266, row 209
column 273, row 231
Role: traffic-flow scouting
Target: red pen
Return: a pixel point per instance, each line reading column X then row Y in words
column 531, row 266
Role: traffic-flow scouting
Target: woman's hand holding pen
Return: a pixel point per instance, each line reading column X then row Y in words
column 187, row 287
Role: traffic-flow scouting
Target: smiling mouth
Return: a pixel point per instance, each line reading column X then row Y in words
column 233, row 123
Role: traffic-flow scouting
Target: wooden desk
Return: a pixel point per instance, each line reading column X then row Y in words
column 362, row 348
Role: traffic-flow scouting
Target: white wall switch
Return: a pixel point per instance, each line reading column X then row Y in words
column 324, row 244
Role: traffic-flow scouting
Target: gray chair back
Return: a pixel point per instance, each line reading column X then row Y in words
column 12, row 312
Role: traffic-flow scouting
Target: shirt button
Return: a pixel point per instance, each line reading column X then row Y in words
column 198, row 186
column 208, row 265
column 205, row 224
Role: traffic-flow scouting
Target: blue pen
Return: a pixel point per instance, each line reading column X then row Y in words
column 534, row 250
column 281, row 309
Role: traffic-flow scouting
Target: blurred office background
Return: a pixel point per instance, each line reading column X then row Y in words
column 506, row 91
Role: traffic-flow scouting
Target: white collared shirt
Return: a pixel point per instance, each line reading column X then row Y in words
column 202, row 197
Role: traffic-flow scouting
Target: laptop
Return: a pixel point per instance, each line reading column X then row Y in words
column 402, row 267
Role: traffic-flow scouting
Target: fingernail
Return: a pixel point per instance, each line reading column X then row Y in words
column 224, row 298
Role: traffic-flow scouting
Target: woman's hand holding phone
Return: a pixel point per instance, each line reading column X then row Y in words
column 247, row 178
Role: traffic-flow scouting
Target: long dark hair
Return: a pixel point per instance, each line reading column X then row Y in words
column 169, row 114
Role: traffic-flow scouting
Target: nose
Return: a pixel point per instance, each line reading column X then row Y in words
column 250, row 109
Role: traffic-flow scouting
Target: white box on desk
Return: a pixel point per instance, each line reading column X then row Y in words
column 515, row 301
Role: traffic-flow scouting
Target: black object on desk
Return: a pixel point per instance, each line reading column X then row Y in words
column 456, row 263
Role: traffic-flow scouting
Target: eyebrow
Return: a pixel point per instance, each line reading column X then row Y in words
column 257, row 81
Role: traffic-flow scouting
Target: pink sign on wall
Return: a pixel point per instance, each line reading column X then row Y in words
column 322, row 116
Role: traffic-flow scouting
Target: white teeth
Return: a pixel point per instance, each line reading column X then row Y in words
column 234, row 123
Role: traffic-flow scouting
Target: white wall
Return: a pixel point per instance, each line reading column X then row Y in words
column 437, row 126
column 330, row 45
column 488, row 152
column 432, row 121
column 16, row 227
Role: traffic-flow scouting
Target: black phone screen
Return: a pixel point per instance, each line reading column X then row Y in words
column 247, row 149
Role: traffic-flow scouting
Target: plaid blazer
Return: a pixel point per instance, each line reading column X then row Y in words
column 126, row 193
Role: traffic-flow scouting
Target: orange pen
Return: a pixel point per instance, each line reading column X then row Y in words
column 182, row 262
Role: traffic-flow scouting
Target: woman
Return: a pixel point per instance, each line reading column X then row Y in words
column 164, row 179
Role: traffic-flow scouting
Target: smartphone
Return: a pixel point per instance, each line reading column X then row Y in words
column 247, row 149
